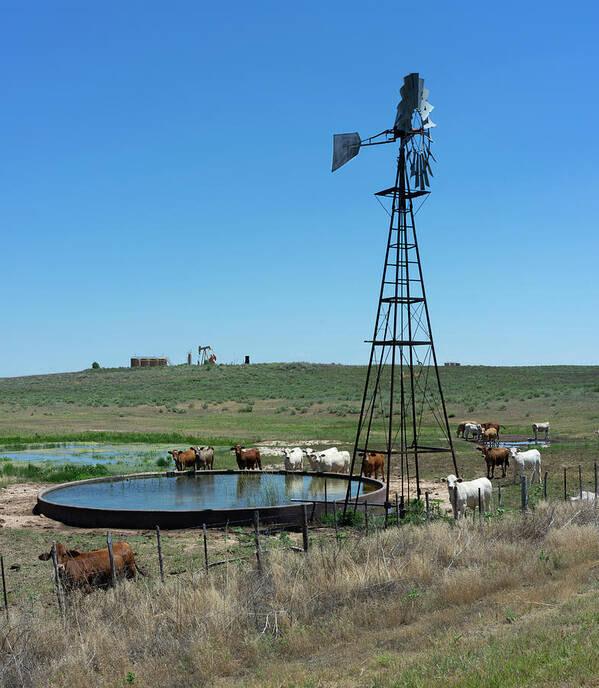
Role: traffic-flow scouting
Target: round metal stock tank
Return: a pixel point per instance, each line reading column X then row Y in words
column 115, row 497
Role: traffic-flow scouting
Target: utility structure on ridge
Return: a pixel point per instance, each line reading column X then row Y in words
column 403, row 413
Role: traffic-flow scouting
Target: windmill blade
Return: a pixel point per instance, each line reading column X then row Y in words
column 345, row 147
column 413, row 97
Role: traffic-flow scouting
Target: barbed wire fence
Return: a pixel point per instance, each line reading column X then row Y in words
column 364, row 519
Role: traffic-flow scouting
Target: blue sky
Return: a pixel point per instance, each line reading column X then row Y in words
column 165, row 179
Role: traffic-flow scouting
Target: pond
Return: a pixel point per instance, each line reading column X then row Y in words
column 88, row 453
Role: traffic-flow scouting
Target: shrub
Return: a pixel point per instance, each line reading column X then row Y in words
column 95, row 365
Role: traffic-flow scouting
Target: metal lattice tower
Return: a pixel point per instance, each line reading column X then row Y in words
column 403, row 413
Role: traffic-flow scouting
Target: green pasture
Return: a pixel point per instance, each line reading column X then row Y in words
column 293, row 403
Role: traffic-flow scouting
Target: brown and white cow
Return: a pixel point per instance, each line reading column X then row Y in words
column 247, row 458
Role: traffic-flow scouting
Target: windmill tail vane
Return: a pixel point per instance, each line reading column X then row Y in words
column 403, row 415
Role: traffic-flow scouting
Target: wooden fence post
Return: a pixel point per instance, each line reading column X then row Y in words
column 580, row 480
column 595, row 467
column 305, row 527
column 524, row 494
column 4, row 586
column 257, row 539
column 454, row 504
column 480, row 506
column 57, row 580
column 545, row 486
column 160, row 553
column 565, row 485
column 205, row 546
column 335, row 518
column 366, row 516
column 397, row 509
column 428, row 507
column 326, row 500
column 499, row 498
column 402, row 507
column 111, row 558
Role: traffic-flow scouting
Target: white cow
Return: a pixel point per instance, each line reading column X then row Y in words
column 465, row 494
column 586, row 497
column 525, row 461
column 329, row 460
column 293, row 459
column 472, row 429
column 541, row 427
column 314, row 457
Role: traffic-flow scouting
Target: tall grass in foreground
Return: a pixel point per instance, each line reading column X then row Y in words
column 225, row 626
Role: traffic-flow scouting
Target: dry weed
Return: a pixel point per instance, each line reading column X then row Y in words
column 228, row 622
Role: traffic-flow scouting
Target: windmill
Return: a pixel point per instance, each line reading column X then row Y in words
column 403, row 413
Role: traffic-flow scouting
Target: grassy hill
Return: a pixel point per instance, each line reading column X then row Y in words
column 294, row 382
column 289, row 402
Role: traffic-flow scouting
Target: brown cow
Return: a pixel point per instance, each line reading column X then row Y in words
column 496, row 456
column 486, row 426
column 92, row 569
column 183, row 459
column 373, row 462
column 247, row 458
column 490, row 436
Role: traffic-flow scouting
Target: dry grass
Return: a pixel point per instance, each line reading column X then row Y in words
column 313, row 619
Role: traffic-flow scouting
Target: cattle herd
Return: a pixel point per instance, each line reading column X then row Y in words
column 330, row 460
column 466, row 494
column 489, row 432
column 85, row 570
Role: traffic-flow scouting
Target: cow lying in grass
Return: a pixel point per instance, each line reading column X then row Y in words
column 496, row 456
column 87, row 570
column 464, row 494
column 584, row 496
